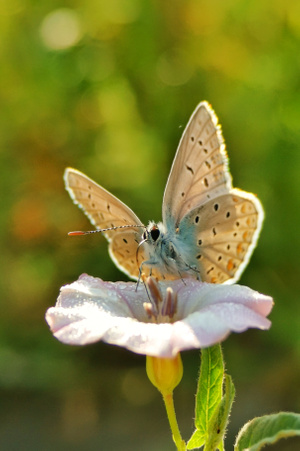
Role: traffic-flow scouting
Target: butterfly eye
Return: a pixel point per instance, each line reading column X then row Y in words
column 154, row 233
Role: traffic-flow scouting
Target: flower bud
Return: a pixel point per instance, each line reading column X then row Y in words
column 165, row 374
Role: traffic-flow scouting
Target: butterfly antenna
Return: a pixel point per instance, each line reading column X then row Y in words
column 79, row 232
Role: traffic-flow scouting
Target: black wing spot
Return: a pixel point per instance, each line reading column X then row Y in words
column 89, row 195
column 208, row 164
column 235, row 234
column 228, row 247
column 199, row 242
column 214, row 231
column 206, row 182
column 189, row 169
column 216, row 207
column 210, row 270
column 220, row 258
column 192, row 138
column 125, row 241
column 108, row 207
column 199, row 256
column 182, row 194
column 227, row 214
column 205, row 150
column 237, row 223
column 197, row 219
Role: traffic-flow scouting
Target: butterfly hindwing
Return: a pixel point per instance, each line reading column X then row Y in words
column 225, row 231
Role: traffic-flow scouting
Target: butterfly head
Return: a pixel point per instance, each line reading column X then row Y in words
column 154, row 232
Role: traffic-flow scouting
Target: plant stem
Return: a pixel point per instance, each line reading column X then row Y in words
column 169, row 403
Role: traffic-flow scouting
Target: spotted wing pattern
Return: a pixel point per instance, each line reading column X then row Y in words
column 200, row 167
column 106, row 211
column 226, row 232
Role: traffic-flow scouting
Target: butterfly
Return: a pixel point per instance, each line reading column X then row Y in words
column 209, row 229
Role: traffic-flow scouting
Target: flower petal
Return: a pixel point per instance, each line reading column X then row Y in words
column 90, row 310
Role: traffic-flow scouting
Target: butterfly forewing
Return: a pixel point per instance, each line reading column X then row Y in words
column 199, row 171
column 123, row 251
column 106, row 211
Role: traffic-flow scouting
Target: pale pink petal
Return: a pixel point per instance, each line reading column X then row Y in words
column 90, row 310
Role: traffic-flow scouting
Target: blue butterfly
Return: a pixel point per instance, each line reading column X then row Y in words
column 209, row 229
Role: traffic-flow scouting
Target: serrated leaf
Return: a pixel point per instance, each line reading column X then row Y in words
column 266, row 430
column 209, row 393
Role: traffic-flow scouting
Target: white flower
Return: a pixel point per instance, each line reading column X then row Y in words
column 158, row 319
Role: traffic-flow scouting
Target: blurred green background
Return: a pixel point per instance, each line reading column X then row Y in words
column 107, row 87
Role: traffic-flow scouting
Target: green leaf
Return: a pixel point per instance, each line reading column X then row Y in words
column 267, row 430
column 219, row 420
column 209, row 393
column 197, row 440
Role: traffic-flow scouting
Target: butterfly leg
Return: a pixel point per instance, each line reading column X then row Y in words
column 179, row 273
column 140, row 276
column 147, row 291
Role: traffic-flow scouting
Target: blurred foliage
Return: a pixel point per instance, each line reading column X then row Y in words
column 107, row 87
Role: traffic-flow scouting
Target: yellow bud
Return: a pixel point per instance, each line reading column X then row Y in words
column 165, row 374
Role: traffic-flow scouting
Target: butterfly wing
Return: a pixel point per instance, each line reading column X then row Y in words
column 226, row 231
column 200, row 168
column 134, row 260
column 214, row 226
column 104, row 211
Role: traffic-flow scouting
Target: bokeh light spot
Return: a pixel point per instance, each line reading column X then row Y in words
column 61, row 29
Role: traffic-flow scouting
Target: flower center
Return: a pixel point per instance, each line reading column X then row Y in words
column 160, row 310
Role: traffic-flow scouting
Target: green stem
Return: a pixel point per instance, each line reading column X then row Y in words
column 209, row 448
column 169, row 403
